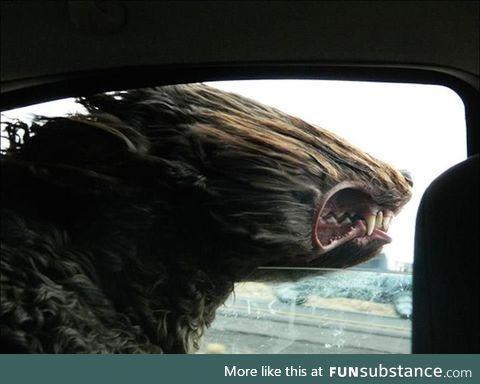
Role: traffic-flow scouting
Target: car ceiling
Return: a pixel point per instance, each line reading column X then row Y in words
column 41, row 38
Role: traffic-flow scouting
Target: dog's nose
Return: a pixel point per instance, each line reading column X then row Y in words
column 408, row 176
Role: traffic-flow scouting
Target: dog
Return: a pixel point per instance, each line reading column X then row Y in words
column 124, row 229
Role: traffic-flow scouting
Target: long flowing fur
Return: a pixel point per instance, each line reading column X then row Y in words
column 123, row 230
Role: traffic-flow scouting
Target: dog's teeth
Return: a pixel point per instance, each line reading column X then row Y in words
column 370, row 220
column 379, row 220
column 346, row 220
column 386, row 222
column 331, row 220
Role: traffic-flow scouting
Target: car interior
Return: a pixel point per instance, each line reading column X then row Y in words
column 63, row 49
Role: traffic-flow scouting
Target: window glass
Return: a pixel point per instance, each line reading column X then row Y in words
column 345, row 311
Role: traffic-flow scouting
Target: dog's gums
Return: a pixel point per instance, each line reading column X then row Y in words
column 124, row 230
column 347, row 213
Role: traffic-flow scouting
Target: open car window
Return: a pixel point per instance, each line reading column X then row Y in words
column 367, row 309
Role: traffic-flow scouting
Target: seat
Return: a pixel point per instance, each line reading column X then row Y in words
column 446, row 296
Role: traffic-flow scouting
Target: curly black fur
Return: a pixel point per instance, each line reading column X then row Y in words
column 123, row 230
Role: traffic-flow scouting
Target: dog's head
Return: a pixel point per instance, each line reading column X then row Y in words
column 247, row 184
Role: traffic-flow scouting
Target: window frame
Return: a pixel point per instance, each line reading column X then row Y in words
column 20, row 93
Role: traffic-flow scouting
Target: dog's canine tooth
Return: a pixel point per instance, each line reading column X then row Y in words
column 386, row 222
column 370, row 220
column 379, row 220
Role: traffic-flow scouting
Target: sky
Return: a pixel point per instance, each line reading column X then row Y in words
column 420, row 128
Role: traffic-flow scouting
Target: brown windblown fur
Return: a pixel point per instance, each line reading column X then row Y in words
column 124, row 230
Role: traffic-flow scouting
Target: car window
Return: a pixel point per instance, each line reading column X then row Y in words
column 345, row 311
column 367, row 309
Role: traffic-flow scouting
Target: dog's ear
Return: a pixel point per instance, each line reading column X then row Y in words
column 82, row 141
column 99, row 154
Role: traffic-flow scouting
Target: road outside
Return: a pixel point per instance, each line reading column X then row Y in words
column 254, row 320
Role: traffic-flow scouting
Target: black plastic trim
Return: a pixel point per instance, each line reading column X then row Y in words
column 30, row 91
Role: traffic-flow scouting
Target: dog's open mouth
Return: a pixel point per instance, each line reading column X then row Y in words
column 348, row 213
